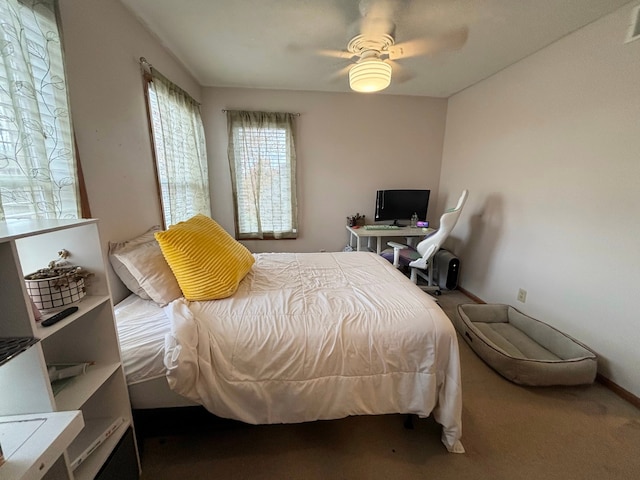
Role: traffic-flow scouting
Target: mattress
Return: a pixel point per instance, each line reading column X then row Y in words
column 142, row 327
column 318, row 336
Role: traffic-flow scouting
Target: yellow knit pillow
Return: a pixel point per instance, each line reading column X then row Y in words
column 207, row 262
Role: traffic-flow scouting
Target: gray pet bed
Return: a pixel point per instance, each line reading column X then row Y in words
column 523, row 349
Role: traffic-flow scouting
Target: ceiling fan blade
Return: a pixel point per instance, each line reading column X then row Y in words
column 400, row 74
column 323, row 52
column 410, row 48
column 449, row 41
column 342, row 54
column 344, row 71
column 377, row 17
column 453, row 39
column 376, row 27
column 387, row 9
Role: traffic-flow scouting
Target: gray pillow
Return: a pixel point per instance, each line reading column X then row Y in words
column 141, row 266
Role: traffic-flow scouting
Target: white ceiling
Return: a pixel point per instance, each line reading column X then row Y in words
column 275, row 43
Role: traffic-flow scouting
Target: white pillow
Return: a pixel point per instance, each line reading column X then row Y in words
column 143, row 269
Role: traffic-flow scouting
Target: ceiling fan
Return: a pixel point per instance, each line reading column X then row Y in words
column 373, row 50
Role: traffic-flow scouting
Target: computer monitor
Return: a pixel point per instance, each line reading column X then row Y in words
column 397, row 205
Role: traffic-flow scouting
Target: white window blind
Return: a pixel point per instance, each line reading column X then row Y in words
column 180, row 151
column 38, row 175
column 262, row 160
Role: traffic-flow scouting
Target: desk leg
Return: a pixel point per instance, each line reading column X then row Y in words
column 379, row 245
column 369, row 244
column 357, row 243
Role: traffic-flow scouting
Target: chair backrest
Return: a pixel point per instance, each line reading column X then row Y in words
column 448, row 220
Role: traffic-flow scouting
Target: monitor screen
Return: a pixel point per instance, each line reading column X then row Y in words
column 401, row 204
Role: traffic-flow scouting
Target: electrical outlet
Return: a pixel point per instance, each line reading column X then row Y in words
column 522, row 295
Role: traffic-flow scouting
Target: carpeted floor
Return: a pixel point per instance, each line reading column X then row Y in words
column 509, row 432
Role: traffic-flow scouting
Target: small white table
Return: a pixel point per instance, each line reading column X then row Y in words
column 33, row 444
column 410, row 233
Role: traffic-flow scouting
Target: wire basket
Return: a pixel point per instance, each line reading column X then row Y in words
column 49, row 294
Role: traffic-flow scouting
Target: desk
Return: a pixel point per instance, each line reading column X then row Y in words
column 410, row 233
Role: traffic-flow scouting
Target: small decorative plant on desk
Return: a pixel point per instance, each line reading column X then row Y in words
column 58, row 285
column 355, row 220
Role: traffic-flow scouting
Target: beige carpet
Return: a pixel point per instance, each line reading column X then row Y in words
column 509, row 432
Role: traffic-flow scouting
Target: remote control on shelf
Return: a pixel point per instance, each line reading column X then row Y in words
column 59, row 316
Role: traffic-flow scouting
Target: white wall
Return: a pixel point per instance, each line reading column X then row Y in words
column 348, row 146
column 549, row 149
column 103, row 43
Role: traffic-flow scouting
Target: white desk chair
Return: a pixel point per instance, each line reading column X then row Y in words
column 419, row 259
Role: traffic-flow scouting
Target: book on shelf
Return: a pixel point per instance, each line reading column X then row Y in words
column 94, row 433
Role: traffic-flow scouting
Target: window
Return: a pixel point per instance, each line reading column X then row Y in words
column 38, row 175
column 262, row 160
column 179, row 148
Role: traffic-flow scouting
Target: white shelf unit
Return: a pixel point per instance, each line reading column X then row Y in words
column 89, row 335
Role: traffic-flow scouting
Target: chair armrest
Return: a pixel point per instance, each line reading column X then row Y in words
column 422, row 263
column 396, row 252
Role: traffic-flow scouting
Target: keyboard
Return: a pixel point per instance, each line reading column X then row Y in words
column 381, row 227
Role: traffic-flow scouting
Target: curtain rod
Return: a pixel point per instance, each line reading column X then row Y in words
column 146, row 65
column 151, row 71
column 224, row 110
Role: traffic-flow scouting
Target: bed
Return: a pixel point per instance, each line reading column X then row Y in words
column 306, row 336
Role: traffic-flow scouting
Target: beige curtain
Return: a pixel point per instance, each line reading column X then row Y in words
column 180, row 150
column 262, row 160
column 38, row 176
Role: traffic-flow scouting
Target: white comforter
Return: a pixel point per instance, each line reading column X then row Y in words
column 318, row 336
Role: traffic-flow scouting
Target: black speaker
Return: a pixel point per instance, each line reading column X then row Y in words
column 446, row 268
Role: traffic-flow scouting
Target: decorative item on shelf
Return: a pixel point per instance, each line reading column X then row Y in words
column 355, row 220
column 37, row 314
column 58, row 285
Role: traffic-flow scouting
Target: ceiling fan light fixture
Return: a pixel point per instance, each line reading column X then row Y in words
column 370, row 75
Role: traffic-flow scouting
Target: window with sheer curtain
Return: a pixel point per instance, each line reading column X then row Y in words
column 179, row 149
column 38, row 174
column 262, row 159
